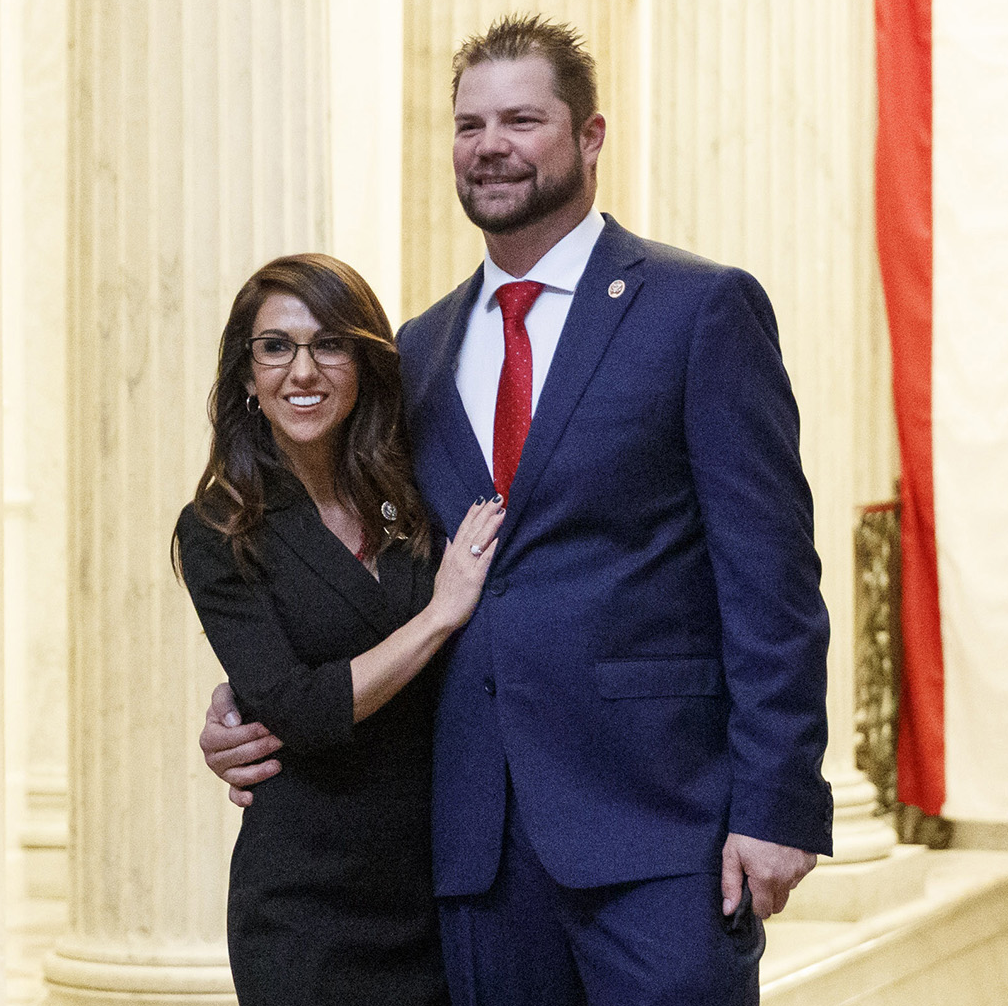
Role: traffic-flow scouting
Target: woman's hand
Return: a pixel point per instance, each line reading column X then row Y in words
column 380, row 672
column 459, row 580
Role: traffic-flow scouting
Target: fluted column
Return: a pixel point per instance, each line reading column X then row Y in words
column 367, row 69
column 440, row 246
column 760, row 148
column 199, row 149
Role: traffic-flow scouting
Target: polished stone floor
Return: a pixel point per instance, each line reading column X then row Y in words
column 948, row 947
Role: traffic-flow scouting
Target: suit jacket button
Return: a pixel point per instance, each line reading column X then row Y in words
column 489, row 686
column 498, row 587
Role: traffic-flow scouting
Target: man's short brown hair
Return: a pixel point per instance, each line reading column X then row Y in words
column 515, row 36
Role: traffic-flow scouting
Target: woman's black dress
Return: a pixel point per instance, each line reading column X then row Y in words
column 330, row 897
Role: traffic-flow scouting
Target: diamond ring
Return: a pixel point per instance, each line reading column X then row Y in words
column 476, row 550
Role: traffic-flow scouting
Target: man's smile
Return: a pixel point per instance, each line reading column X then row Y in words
column 488, row 180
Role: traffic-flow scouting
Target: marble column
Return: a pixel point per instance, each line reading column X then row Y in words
column 199, row 148
column 367, row 63
column 761, row 146
column 440, row 246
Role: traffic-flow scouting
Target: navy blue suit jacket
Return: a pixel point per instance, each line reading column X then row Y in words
column 649, row 654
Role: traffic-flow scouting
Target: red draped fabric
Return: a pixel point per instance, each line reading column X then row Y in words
column 905, row 233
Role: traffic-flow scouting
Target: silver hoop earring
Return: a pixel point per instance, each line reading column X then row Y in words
column 248, row 405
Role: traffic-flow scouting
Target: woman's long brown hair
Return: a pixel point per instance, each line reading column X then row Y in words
column 371, row 453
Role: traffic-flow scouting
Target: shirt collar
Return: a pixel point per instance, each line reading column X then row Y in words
column 560, row 268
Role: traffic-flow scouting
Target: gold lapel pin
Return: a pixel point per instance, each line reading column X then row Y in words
column 616, row 288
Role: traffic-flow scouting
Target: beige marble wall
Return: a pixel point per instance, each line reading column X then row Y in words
column 199, row 148
column 11, row 103
column 35, row 448
column 3, row 689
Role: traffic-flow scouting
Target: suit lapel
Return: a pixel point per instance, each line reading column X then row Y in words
column 449, row 420
column 594, row 316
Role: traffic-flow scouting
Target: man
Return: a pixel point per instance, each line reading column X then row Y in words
column 634, row 720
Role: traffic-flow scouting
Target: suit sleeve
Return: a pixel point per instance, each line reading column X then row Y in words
column 742, row 434
column 308, row 708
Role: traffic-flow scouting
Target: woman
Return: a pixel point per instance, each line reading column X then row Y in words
column 305, row 552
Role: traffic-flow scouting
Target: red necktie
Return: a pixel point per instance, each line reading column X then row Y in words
column 514, row 392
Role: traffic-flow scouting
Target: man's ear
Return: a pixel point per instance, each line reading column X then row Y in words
column 591, row 138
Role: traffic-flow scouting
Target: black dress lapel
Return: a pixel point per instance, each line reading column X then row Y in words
column 298, row 523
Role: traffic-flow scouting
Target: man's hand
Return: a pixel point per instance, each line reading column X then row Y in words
column 773, row 871
column 229, row 747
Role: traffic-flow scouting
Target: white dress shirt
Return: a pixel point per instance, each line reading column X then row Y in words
column 477, row 370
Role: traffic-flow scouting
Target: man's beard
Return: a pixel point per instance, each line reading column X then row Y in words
column 539, row 203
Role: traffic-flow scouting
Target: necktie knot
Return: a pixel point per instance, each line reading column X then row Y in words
column 515, row 299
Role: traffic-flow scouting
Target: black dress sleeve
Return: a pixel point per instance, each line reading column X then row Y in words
column 308, row 708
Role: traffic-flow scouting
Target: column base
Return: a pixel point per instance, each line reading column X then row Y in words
column 859, row 835
column 75, row 976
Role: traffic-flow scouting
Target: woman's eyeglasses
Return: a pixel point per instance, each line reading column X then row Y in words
column 278, row 351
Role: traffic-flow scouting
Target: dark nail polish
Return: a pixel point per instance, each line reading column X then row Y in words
column 497, row 499
column 480, row 501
